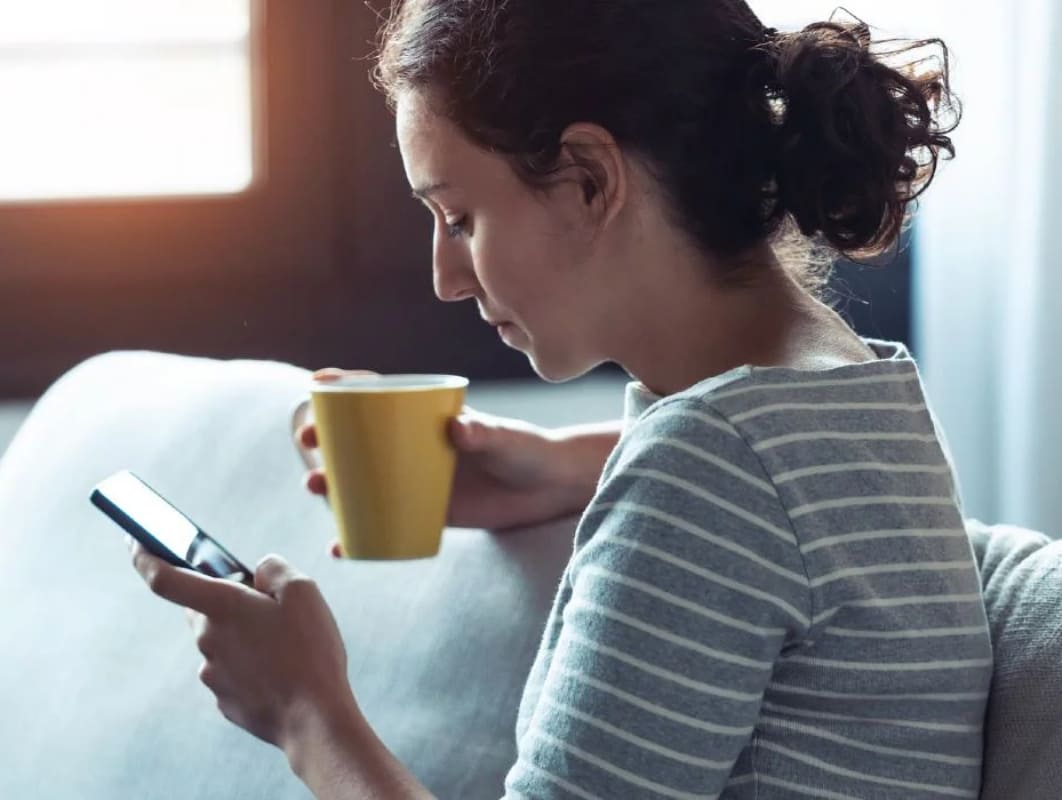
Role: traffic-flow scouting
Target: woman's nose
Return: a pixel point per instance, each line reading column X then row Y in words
column 453, row 275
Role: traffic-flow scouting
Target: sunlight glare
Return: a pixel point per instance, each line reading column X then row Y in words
column 78, row 21
column 87, row 118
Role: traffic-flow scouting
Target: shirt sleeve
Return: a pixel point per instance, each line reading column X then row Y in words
column 685, row 586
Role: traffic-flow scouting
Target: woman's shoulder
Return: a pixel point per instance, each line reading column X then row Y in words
column 751, row 410
column 877, row 360
column 760, row 425
column 817, row 381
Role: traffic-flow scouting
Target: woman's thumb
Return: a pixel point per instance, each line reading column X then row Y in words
column 469, row 434
column 335, row 373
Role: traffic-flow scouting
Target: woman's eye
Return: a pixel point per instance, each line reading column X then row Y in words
column 457, row 228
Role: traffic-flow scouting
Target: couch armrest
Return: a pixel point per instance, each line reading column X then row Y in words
column 102, row 695
column 1021, row 577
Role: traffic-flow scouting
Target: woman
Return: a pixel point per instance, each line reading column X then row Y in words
column 771, row 592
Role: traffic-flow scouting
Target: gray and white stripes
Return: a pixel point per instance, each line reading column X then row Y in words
column 771, row 595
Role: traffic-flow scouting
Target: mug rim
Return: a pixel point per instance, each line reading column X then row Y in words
column 415, row 382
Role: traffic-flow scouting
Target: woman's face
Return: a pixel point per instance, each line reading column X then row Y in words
column 523, row 256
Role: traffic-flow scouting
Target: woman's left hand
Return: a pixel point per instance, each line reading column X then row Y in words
column 275, row 660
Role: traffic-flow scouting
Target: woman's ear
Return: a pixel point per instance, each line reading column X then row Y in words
column 601, row 170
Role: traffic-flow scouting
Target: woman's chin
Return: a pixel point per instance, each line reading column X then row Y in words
column 558, row 371
column 554, row 365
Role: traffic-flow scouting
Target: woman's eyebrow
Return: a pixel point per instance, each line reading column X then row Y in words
column 426, row 191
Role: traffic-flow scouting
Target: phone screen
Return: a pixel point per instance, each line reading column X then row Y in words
column 146, row 511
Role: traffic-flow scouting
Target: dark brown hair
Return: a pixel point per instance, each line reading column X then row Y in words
column 753, row 134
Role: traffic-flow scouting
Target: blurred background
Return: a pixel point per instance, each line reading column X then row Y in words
column 218, row 178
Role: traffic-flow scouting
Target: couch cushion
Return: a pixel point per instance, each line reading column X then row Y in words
column 1021, row 572
column 101, row 695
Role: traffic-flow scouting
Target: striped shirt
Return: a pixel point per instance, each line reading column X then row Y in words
column 771, row 595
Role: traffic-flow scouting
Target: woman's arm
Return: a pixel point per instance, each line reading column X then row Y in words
column 276, row 663
column 511, row 473
column 678, row 606
column 255, row 641
column 343, row 758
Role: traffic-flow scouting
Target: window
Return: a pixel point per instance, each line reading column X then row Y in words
column 125, row 98
column 147, row 143
column 296, row 266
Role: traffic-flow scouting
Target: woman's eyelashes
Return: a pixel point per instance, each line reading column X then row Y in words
column 457, row 228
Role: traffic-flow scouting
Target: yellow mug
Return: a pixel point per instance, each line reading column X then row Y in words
column 388, row 460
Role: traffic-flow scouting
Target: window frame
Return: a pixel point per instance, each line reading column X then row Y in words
column 279, row 226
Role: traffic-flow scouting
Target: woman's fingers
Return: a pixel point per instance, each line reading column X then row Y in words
column 306, row 435
column 329, row 374
column 333, row 373
column 466, row 432
column 316, row 483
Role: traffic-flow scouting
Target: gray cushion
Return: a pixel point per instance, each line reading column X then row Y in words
column 1020, row 573
column 101, row 695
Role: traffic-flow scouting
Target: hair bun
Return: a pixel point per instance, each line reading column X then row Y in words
column 856, row 139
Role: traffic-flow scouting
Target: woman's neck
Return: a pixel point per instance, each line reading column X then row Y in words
column 689, row 328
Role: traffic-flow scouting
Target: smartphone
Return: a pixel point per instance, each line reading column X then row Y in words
column 163, row 530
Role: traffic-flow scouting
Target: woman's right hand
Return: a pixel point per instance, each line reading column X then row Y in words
column 509, row 472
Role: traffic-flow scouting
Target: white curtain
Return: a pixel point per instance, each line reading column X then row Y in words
column 988, row 296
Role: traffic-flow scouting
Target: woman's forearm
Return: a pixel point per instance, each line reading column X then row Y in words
column 583, row 452
column 342, row 758
column 337, row 754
